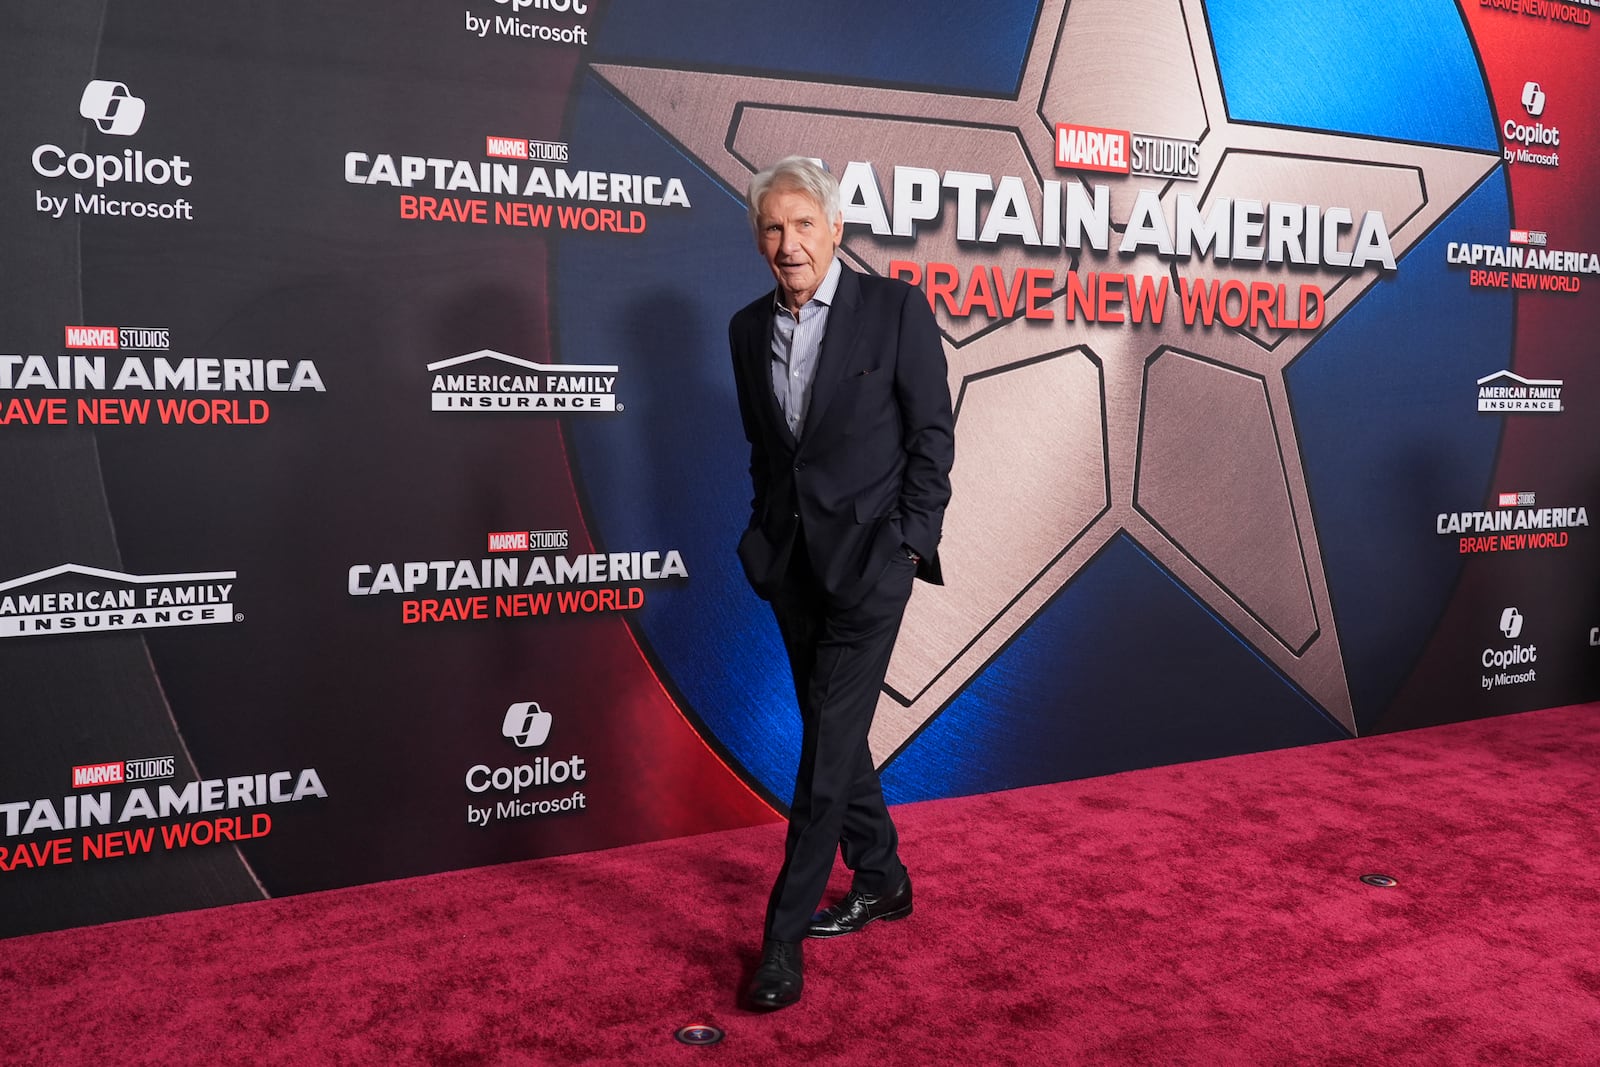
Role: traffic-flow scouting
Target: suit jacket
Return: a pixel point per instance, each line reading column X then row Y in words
column 870, row 470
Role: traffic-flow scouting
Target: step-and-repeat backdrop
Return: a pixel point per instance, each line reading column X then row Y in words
column 370, row 468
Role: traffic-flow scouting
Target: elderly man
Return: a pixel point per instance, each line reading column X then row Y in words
column 841, row 384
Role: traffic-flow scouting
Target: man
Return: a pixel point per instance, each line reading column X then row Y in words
column 841, row 384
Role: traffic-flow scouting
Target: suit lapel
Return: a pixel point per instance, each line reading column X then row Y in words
column 837, row 342
column 759, row 366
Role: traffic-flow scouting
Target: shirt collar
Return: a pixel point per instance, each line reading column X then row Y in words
column 825, row 291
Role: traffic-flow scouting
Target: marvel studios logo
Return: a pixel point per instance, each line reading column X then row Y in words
column 529, row 541
column 1515, row 500
column 1125, row 152
column 523, row 148
column 1533, row 238
column 120, row 771
column 139, row 338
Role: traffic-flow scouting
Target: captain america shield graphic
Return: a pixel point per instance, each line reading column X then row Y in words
column 1186, row 261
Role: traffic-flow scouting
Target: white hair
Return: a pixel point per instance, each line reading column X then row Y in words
column 794, row 174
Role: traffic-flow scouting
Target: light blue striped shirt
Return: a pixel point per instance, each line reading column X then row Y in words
column 796, row 340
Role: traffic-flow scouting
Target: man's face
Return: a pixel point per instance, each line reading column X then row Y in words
column 797, row 241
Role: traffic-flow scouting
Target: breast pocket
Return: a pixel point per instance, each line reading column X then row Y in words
column 867, row 398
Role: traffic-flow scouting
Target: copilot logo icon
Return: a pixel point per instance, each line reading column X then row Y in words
column 1511, row 623
column 1533, row 99
column 112, row 108
column 526, row 724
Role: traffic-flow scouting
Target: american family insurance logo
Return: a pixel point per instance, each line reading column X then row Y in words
column 1504, row 392
column 73, row 600
column 122, row 183
column 490, row 381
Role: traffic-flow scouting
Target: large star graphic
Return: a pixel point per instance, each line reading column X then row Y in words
column 1070, row 433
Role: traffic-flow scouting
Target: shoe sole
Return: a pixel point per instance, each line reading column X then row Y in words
column 889, row 918
column 765, row 1006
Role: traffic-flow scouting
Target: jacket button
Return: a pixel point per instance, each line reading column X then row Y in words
column 799, row 466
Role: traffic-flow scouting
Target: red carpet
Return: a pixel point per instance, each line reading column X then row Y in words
column 1207, row 913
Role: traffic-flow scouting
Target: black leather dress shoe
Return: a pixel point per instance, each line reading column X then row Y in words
column 777, row 981
column 857, row 909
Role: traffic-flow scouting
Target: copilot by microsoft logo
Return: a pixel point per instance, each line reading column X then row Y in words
column 1518, row 655
column 116, row 112
column 525, row 725
column 1535, row 137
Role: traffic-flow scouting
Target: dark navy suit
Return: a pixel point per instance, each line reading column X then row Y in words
column 834, row 513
